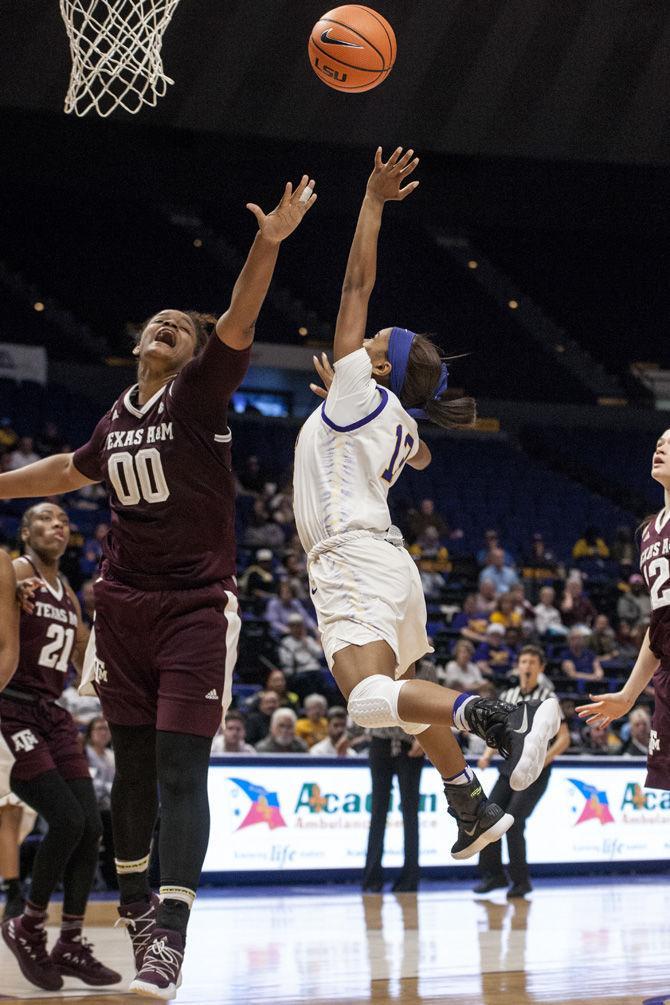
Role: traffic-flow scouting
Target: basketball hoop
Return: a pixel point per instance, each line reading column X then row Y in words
column 116, row 54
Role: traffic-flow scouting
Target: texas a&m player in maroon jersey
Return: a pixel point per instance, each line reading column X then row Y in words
column 50, row 771
column 166, row 610
column 654, row 657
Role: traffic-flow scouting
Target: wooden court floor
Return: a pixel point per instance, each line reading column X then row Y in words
column 587, row 944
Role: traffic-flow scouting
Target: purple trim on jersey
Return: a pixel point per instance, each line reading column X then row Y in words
column 361, row 422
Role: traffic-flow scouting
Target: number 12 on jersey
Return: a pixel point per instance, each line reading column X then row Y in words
column 394, row 468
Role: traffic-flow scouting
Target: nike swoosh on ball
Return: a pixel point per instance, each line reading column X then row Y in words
column 325, row 37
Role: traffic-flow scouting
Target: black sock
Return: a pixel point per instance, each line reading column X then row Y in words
column 12, row 888
column 133, row 887
column 173, row 914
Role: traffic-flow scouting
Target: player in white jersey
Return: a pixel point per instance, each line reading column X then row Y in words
column 365, row 587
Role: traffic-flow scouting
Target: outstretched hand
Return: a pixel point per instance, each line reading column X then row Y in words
column 386, row 179
column 605, row 708
column 325, row 372
column 286, row 216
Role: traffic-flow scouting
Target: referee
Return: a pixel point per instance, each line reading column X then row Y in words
column 519, row 804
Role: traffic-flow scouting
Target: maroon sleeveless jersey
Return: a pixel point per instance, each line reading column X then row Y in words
column 167, row 468
column 46, row 638
column 655, row 567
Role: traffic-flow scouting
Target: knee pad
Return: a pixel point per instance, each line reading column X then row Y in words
column 374, row 703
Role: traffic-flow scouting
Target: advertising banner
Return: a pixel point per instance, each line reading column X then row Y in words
column 23, row 362
column 274, row 817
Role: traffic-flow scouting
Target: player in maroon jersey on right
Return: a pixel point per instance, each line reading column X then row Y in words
column 653, row 660
column 166, row 607
column 47, row 767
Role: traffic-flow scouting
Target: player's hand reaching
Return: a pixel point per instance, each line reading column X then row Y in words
column 285, row 217
column 25, row 592
column 605, row 708
column 325, row 372
column 386, row 183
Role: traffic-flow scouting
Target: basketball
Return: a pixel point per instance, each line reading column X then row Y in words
column 352, row 48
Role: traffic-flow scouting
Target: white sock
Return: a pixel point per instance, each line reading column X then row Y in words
column 463, row 777
column 459, row 718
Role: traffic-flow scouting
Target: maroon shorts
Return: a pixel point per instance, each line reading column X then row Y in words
column 658, row 761
column 41, row 736
column 166, row 658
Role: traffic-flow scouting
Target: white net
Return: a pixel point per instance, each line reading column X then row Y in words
column 116, row 53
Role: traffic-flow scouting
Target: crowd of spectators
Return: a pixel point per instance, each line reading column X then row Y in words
column 589, row 610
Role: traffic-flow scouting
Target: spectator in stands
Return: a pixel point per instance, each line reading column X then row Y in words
column 590, row 545
column 623, row 549
column 258, row 720
column 231, row 737
column 312, row 727
column 276, row 681
column 486, row 598
column 280, row 504
column 83, row 709
column 461, row 672
column 576, row 726
column 251, row 477
column 547, row 615
column 540, row 563
column 506, row 612
column 522, row 604
column 426, row 516
column 262, row 531
column 634, row 606
column 493, row 657
column 576, row 608
column 603, row 638
column 89, row 560
column 97, row 747
column 601, row 741
column 338, row 742
column 50, row 440
column 294, row 569
column 282, row 738
column 8, row 437
column 23, row 454
column 637, row 744
column 491, row 541
column 281, row 607
column 300, row 656
column 87, row 601
column 432, row 560
column 628, row 641
column 258, row 582
column 578, row 662
column 471, row 622
column 501, row 574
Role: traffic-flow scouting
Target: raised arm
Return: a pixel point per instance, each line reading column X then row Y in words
column 607, row 707
column 236, row 327
column 51, row 476
column 359, row 279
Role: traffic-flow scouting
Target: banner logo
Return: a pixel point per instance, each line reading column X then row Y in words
column 264, row 807
column 596, row 806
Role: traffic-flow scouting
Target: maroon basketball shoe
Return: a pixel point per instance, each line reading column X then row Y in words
column 30, row 950
column 160, row 974
column 140, row 920
column 76, row 959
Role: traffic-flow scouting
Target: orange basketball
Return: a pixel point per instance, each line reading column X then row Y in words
column 352, row 48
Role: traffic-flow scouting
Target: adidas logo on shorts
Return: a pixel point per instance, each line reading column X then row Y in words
column 212, row 694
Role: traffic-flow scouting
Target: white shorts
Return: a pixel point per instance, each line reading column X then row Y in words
column 365, row 589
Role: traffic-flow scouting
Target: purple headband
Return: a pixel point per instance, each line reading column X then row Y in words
column 400, row 345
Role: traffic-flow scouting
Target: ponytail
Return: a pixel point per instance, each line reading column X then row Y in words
column 424, row 370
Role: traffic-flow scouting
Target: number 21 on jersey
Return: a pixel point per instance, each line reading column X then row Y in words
column 402, row 441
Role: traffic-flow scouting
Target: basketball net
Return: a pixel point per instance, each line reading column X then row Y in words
column 116, row 54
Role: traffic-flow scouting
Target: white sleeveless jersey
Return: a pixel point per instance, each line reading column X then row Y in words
column 349, row 453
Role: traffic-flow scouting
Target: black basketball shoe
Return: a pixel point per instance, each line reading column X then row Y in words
column 520, row 732
column 479, row 821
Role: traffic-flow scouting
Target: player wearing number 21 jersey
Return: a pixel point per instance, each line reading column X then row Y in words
column 42, row 761
column 653, row 661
